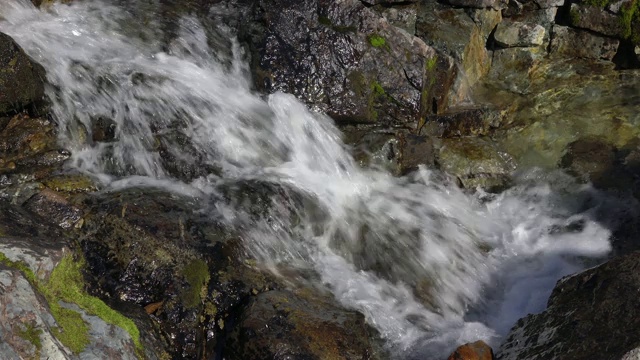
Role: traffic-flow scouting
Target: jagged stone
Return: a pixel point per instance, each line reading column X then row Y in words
column 468, row 121
column 589, row 315
column 512, row 68
column 463, row 37
column 476, row 162
column 347, row 60
column 568, row 42
column 518, row 34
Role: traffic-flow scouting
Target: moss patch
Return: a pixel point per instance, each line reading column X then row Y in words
column 430, row 64
column 197, row 275
column 66, row 284
column 377, row 41
column 629, row 13
column 32, row 335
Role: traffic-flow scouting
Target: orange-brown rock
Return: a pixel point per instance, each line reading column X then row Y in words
column 478, row 350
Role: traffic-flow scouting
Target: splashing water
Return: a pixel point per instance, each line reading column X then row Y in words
column 429, row 266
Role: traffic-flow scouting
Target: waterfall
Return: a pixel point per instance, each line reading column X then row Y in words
column 429, row 265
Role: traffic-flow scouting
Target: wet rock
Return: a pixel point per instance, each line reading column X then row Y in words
column 471, row 121
column 29, row 325
column 54, row 208
column 569, row 100
column 374, row 148
column 181, row 159
column 589, row 159
column 512, row 68
column 347, row 60
column 478, row 350
column 461, row 36
column 416, row 150
column 29, row 146
column 70, row 183
column 150, row 247
column 288, row 325
column 589, row 315
column 518, row 34
column 21, row 79
column 475, row 162
column 104, row 130
column 568, row 42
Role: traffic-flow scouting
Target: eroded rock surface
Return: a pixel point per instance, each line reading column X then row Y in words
column 590, row 315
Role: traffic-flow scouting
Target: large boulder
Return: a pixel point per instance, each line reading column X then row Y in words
column 21, row 79
column 347, row 60
column 590, row 315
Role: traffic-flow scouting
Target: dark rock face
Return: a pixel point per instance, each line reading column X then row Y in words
column 347, row 60
column 21, row 80
column 591, row 315
column 282, row 325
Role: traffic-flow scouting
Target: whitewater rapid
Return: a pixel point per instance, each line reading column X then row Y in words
column 429, row 266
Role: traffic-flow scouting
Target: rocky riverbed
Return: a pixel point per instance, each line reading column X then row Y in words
column 127, row 229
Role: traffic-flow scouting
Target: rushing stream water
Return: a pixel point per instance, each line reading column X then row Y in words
column 429, row 265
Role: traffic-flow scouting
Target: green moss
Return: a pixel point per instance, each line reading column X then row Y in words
column 324, row 20
column 31, row 277
column 575, row 16
column 430, row 64
column 197, row 275
column 377, row 89
column 72, row 330
column 32, row 335
column 628, row 12
column 598, row 3
column 66, row 284
column 377, row 41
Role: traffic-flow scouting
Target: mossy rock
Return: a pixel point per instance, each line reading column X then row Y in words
column 70, row 183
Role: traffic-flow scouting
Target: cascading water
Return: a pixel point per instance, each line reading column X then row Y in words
column 428, row 265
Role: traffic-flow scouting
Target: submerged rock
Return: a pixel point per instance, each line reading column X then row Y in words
column 476, row 162
column 590, row 315
column 21, row 79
